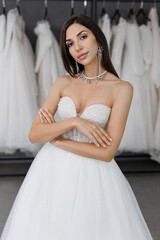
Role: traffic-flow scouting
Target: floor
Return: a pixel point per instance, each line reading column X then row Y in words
column 146, row 187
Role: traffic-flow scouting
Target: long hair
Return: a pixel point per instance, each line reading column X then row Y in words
column 68, row 60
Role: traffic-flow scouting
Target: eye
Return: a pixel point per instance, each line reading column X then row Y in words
column 84, row 36
column 69, row 45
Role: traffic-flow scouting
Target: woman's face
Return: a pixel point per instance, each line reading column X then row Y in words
column 81, row 43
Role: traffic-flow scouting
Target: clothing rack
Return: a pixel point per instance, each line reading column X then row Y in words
column 18, row 163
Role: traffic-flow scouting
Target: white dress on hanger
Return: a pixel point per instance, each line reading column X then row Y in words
column 155, row 71
column 18, row 103
column 49, row 64
column 105, row 25
column 135, row 135
column 155, row 76
column 2, row 32
column 3, row 147
column 149, row 90
column 117, row 44
column 65, row 196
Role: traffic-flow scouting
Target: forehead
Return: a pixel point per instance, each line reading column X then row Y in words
column 74, row 29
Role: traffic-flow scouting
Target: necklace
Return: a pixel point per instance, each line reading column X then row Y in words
column 91, row 79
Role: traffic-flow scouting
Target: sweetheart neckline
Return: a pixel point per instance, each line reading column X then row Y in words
column 87, row 106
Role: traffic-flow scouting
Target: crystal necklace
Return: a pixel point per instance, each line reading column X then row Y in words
column 91, row 79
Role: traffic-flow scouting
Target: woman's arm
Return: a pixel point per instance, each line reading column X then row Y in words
column 83, row 149
column 122, row 100
column 40, row 132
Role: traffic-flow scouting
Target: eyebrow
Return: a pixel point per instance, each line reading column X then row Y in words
column 77, row 34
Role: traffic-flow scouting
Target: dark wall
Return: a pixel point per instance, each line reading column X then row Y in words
column 59, row 11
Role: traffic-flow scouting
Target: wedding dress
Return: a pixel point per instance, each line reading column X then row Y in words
column 2, row 32
column 135, row 136
column 18, row 103
column 2, row 83
column 155, row 77
column 72, row 197
column 117, row 44
column 105, row 25
column 49, row 64
column 148, row 88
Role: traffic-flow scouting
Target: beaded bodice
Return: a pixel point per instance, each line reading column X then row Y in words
column 98, row 113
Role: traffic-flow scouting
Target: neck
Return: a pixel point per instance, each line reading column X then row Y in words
column 92, row 69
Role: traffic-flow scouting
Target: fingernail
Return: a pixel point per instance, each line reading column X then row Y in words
column 46, row 109
column 109, row 143
column 110, row 139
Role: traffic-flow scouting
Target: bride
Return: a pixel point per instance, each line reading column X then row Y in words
column 74, row 189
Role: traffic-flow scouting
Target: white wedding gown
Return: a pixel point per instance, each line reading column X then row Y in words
column 105, row 25
column 18, row 100
column 49, row 64
column 117, row 44
column 150, row 101
column 135, row 134
column 155, row 77
column 65, row 196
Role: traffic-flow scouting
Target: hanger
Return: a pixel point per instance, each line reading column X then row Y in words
column 117, row 12
column 131, row 11
column 154, row 3
column 103, row 11
column 141, row 12
column 17, row 6
column 4, row 7
column 46, row 17
column 72, row 7
column 85, row 7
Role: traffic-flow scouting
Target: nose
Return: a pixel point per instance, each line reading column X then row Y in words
column 77, row 46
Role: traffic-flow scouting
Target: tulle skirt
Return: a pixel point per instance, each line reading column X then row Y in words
column 65, row 196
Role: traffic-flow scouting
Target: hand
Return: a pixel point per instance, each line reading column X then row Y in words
column 94, row 131
column 46, row 116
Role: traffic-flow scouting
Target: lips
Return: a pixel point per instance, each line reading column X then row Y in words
column 82, row 55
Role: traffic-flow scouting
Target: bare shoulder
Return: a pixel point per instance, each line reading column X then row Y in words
column 119, row 86
column 63, row 80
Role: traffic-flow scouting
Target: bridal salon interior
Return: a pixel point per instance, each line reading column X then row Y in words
column 30, row 62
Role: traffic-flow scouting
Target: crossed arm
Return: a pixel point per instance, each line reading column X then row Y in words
column 115, row 129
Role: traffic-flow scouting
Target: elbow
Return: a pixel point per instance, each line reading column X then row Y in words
column 107, row 157
column 31, row 137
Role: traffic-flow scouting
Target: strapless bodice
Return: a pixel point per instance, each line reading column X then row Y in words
column 98, row 113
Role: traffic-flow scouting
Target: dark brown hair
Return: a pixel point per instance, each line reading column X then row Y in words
column 68, row 60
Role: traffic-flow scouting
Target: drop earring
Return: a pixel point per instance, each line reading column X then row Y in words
column 77, row 67
column 100, row 50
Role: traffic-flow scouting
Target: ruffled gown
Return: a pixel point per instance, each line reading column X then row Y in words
column 18, row 100
column 117, row 44
column 155, row 77
column 105, row 25
column 135, row 134
column 149, row 90
column 49, row 64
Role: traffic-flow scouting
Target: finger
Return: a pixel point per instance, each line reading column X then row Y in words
column 50, row 115
column 41, row 118
column 103, row 137
column 103, row 134
column 107, row 135
column 45, row 115
column 94, row 140
column 99, row 137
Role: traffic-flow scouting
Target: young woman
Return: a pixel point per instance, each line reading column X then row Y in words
column 74, row 189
